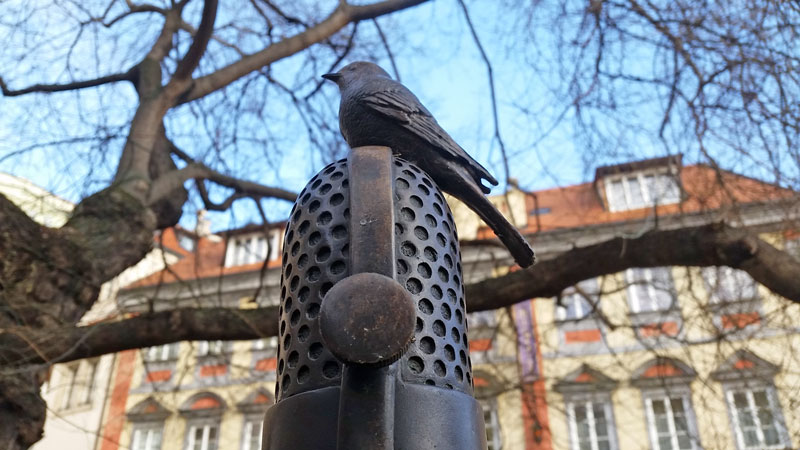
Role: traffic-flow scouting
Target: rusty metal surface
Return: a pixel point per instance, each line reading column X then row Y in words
column 367, row 319
column 425, row 418
column 372, row 215
column 364, row 305
column 315, row 257
column 428, row 265
column 400, row 227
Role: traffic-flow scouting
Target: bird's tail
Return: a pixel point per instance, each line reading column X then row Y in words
column 508, row 233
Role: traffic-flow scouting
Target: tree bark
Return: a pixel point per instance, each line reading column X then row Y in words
column 49, row 279
column 706, row 245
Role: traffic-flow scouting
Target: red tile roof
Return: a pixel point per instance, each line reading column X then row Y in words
column 582, row 205
column 168, row 239
column 206, row 261
column 575, row 206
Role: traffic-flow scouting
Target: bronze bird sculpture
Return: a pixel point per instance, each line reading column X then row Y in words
column 377, row 110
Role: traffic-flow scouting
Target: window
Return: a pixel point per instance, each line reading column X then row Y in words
column 793, row 247
column 668, row 422
column 641, row 190
column 91, row 372
column 756, row 418
column 166, row 352
column 146, row 436
column 210, row 348
column 203, row 436
column 590, row 425
column 492, row 425
column 482, row 319
column 186, row 242
column 269, row 343
column 70, row 381
column 574, row 302
column 78, row 381
column 251, row 436
column 729, row 285
column 251, row 249
column 649, row 289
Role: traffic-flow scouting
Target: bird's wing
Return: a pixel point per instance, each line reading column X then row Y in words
column 400, row 104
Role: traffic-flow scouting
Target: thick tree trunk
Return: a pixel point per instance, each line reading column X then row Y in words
column 48, row 279
column 22, row 410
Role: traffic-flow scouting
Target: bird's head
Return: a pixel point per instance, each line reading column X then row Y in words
column 355, row 72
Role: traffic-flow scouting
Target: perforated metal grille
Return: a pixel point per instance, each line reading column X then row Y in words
column 315, row 257
column 429, row 267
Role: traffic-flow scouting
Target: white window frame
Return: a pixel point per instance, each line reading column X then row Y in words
column 274, row 248
column 667, row 398
column 588, row 402
column 269, row 343
column 713, row 275
column 493, row 423
column 72, row 377
column 777, row 415
column 482, row 319
column 161, row 353
column 91, row 368
column 186, row 242
column 149, row 430
column 653, row 291
column 252, row 248
column 206, row 442
column 210, row 348
column 590, row 287
column 671, row 194
column 792, row 247
column 251, row 422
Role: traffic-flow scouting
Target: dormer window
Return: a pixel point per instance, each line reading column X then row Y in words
column 251, row 248
column 575, row 301
column 641, row 190
column 186, row 242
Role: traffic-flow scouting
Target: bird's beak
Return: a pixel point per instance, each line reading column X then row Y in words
column 335, row 76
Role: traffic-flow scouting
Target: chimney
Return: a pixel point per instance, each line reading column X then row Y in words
column 203, row 227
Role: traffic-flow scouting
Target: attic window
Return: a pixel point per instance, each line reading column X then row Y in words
column 250, row 249
column 186, row 242
column 641, row 190
column 793, row 248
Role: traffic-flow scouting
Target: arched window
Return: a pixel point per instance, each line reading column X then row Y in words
column 666, row 393
column 253, row 408
column 587, row 400
column 148, row 418
column 753, row 408
column 203, row 413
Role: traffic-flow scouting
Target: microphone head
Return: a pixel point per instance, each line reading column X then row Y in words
column 428, row 266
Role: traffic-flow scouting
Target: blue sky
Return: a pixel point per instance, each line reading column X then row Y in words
column 437, row 59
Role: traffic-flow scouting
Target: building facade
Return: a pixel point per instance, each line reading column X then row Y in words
column 663, row 357
column 657, row 358
column 76, row 393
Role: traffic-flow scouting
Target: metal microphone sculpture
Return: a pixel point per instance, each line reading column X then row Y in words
column 373, row 344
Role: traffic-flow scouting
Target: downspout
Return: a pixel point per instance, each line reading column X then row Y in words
column 105, row 401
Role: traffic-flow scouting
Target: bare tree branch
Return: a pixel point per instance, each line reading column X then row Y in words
column 71, row 343
column 133, row 9
column 164, row 185
column 48, row 88
column 200, row 42
column 388, row 49
column 341, row 16
column 708, row 245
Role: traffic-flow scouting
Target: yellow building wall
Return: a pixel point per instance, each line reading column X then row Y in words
column 775, row 339
column 175, row 426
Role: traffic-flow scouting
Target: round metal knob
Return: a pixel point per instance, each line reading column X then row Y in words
column 367, row 319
